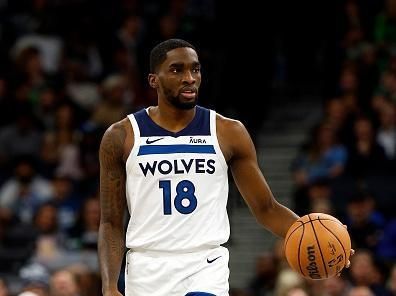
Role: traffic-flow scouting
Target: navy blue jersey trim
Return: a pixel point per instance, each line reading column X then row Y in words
column 199, row 126
column 169, row 149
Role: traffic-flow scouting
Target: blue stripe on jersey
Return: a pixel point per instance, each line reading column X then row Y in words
column 182, row 148
column 199, row 126
column 199, row 294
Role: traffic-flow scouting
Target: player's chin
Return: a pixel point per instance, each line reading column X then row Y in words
column 187, row 103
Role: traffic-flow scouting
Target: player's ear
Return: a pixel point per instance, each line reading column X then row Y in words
column 153, row 80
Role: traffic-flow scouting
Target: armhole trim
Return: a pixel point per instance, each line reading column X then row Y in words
column 213, row 132
column 136, row 136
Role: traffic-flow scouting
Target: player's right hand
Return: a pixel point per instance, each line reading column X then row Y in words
column 349, row 262
column 112, row 293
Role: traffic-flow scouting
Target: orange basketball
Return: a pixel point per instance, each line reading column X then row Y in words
column 317, row 246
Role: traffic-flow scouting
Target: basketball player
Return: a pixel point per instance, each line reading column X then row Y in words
column 168, row 164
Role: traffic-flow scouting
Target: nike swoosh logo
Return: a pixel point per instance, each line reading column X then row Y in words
column 148, row 141
column 213, row 260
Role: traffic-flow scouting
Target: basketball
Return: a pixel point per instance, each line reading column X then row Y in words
column 317, row 246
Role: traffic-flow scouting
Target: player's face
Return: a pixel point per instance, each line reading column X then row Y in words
column 179, row 78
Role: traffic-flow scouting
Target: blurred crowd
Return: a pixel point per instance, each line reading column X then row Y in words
column 367, row 276
column 69, row 69
column 347, row 167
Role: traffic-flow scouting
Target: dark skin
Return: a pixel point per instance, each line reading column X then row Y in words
column 112, row 203
column 177, row 79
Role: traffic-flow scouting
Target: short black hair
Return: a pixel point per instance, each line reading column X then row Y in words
column 158, row 53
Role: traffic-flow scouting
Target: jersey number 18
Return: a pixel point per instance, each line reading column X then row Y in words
column 184, row 191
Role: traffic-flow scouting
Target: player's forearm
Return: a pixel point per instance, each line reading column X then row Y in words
column 111, row 251
column 277, row 218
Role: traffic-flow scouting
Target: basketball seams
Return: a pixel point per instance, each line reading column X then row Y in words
column 316, row 219
column 294, row 230
column 328, row 229
column 289, row 235
column 317, row 241
column 302, row 223
column 316, row 238
column 299, row 249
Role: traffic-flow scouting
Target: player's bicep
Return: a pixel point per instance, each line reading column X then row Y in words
column 112, row 175
column 247, row 174
column 244, row 158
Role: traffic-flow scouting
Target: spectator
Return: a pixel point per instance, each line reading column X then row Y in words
column 51, row 249
column 28, row 293
column 88, row 280
column 22, row 194
column 64, row 283
column 360, row 291
column 366, row 157
column 319, row 197
column 16, row 246
column 297, row 292
column 3, row 288
column 336, row 286
column 60, row 151
column 365, row 224
column 386, row 249
column 35, row 279
column 288, row 280
column 391, row 284
column 366, row 271
column 67, row 200
column 386, row 134
column 263, row 282
column 112, row 108
column 324, row 158
column 20, row 138
column 339, row 117
column 85, row 232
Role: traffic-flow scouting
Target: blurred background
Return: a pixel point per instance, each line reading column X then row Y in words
column 314, row 83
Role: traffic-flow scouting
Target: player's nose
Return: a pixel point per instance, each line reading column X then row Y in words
column 189, row 77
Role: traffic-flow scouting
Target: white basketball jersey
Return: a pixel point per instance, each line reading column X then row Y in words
column 176, row 186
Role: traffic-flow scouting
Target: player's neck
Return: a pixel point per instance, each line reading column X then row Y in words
column 170, row 118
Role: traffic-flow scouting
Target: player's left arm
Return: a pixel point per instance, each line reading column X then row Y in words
column 240, row 153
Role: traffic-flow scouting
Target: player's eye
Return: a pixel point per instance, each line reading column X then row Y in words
column 176, row 69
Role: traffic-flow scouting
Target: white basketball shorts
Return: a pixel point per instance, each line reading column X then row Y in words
column 200, row 273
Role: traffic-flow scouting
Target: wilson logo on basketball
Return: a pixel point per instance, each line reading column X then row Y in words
column 312, row 268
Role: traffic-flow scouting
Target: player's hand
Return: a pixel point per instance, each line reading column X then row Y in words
column 349, row 261
column 350, row 255
column 112, row 293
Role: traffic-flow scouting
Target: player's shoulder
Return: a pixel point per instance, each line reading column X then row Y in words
column 118, row 137
column 119, row 128
column 232, row 135
column 229, row 125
